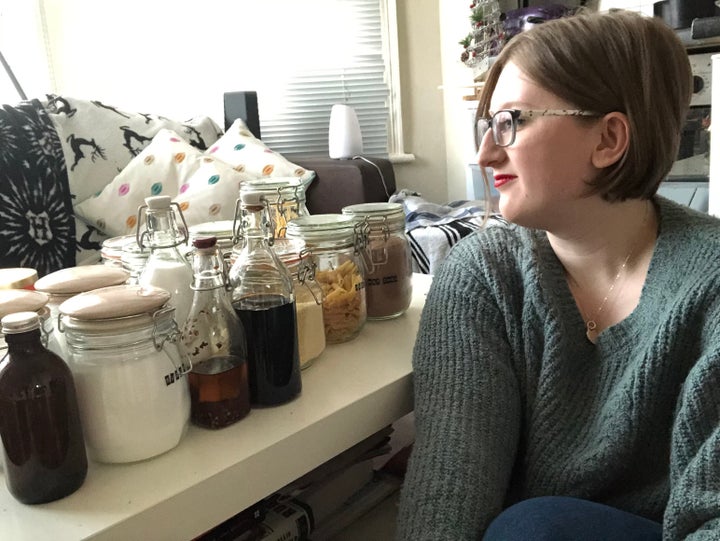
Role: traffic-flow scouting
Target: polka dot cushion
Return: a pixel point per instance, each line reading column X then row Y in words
column 204, row 186
column 241, row 149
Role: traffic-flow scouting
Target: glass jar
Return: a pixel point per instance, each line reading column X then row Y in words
column 40, row 430
column 129, row 372
column 112, row 250
column 335, row 243
column 222, row 230
column 285, row 197
column 308, row 301
column 133, row 259
column 66, row 283
column 389, row 278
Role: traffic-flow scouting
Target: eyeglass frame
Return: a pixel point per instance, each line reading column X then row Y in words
column 517, row 114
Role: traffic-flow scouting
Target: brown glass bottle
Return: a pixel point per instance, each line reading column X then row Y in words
column 42, row 438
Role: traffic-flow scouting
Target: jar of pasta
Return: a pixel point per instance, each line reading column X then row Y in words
column 285, row 197
column 335, row 244
column 308, row 300
column 389, row 278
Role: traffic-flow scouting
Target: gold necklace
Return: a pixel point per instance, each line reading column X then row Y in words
column 591, row 326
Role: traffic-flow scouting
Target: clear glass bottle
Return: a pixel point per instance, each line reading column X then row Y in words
column 285, row 197
column 263, row 298
column 166, row 267
column 335, row 242
column 129, row 371
column 389, row 278
column 214, row 341
column 42, row 436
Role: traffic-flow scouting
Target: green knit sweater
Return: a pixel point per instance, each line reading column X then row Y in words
column 512, row 401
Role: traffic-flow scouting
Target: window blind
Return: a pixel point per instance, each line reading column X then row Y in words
column 344, row 62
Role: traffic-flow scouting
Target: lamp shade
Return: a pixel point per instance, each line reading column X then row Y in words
column 344, row 136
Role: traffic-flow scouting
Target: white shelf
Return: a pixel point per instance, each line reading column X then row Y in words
column 351, row 391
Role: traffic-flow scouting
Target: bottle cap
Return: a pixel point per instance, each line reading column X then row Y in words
column 158, row 202
column 204, row 242
column 20, row 322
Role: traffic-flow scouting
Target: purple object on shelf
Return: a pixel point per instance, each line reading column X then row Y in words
column 520, row 20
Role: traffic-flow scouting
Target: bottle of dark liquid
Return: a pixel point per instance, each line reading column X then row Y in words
column 42, row 437
column 214, row 341
column 263, row 298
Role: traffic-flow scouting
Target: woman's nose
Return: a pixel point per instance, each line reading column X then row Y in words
column 489, row 153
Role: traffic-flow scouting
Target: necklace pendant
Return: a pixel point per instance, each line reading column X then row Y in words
column 591, row 331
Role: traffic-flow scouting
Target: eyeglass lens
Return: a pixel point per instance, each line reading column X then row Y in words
column 503, row 128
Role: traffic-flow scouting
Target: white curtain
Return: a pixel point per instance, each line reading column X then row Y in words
column 23, row 46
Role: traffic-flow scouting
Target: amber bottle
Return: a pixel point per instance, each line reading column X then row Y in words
column 42, row 438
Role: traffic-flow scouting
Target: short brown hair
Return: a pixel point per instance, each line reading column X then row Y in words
column 605, row 62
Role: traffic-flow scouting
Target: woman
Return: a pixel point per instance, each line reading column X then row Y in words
column 567, row 366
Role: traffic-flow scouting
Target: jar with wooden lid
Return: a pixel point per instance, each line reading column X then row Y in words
column 308, row 300
column 335, row 243
column 22, row 300
column 130, row 373
column 18, row 278
column 389, row 278
column 66, row 283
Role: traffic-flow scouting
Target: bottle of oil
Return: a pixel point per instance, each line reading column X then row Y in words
column 263, row 298
column 214, row 341
column 40, row 428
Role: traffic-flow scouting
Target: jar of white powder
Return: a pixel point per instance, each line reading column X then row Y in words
column 308, row 300
column 129, row 373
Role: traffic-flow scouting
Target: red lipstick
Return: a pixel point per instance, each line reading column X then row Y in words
column 503, row 179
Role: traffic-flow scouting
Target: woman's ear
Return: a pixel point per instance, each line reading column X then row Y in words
column 614, row 140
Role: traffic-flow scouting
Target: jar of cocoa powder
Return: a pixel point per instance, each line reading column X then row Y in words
column 387, row 250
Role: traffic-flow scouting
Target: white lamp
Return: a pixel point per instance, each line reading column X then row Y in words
column 344, row 137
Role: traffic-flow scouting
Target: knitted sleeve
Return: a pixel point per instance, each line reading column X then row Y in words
column 467, row 408
column 693, row 509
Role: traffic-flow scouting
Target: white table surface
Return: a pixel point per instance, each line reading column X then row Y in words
column 349, row 392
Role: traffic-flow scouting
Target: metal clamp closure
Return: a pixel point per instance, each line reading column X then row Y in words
column 160, row 338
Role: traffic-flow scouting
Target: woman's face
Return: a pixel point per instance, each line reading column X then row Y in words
column 548, row 165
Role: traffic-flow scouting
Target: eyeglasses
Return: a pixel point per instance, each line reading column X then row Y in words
column 504, row 122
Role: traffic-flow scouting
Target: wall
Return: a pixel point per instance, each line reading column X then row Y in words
column 422, row 100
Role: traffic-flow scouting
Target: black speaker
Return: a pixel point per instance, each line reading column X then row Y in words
column 242, row 105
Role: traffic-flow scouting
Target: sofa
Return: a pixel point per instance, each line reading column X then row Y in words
column 73, row 173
